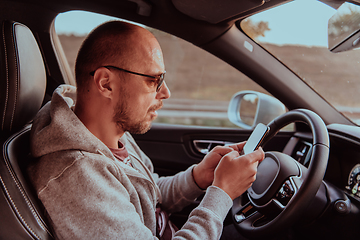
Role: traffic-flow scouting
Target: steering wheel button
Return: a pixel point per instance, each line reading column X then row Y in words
column 285, row 193
column 239, row 217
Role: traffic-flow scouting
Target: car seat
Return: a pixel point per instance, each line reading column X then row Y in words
column 22, row 90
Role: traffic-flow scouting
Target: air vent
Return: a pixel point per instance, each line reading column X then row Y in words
column 302, row 152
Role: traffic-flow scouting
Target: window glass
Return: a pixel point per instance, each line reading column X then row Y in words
column 201, row 85
column 296, row 33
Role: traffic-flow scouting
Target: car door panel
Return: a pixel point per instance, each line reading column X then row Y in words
column 172, row 148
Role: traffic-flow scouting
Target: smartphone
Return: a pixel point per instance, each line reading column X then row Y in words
column 255, row 139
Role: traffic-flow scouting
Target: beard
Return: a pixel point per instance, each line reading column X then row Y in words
column 123, row 120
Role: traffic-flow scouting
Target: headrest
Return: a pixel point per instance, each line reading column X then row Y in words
column 22, row 77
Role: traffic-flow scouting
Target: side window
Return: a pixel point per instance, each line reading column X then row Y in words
column 201, row 85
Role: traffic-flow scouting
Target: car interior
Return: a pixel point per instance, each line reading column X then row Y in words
column 323, row 147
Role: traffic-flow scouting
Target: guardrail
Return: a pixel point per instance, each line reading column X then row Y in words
column 217, row 110
column 194, row 109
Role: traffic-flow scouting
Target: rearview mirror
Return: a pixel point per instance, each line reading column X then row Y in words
column 344, row 28
column 248, row 108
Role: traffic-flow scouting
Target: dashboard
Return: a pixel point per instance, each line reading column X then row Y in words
column 343, row 170
column 340, row 192
column 344, row 162
column 353, row 186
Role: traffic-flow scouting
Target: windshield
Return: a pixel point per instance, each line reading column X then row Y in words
column 296, row 33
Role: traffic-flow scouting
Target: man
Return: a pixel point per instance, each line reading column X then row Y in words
column 93, row 179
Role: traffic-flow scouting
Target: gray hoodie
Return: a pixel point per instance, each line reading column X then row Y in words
column 89, row 194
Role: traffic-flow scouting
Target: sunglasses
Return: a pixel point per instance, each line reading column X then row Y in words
column 159, row 78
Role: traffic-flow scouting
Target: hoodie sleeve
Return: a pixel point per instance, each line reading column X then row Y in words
column 206, row 220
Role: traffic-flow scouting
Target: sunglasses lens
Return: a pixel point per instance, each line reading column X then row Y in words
column 161, row 81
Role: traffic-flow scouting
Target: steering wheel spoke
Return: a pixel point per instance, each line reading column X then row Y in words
column 245, row 212
column 249, row 215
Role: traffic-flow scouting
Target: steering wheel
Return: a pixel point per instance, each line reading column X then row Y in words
column 283, row 188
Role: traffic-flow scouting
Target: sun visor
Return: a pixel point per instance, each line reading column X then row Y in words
column 215, row 11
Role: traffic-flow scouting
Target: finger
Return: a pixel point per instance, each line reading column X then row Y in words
column 238, row 146
column 257, row 156
column 221, row 150
column 263, row 154
column 231, row 155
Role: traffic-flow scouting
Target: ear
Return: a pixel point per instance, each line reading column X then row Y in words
column 103, row 82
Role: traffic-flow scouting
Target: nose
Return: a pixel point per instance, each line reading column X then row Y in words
column 164, row 92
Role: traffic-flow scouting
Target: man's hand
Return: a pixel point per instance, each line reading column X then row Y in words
column 204, row 172
column 235, row 174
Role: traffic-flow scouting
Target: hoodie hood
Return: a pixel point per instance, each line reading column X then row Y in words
column 51, row 133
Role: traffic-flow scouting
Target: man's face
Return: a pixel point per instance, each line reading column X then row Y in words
column 135, row 115
column 138, row 100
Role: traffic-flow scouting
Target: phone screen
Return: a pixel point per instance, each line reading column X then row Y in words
column 255, row 139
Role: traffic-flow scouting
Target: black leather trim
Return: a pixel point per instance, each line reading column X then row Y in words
column 22, row 90
column 23, row 77
column 28, row 214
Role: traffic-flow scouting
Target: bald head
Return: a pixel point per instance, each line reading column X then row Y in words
column 115, row 43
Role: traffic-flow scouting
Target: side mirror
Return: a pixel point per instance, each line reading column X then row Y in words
column 344, row 28
column 248, row 108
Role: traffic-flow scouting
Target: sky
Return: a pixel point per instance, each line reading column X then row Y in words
column 78, row 22
column 311, row 30
column 286, row 27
